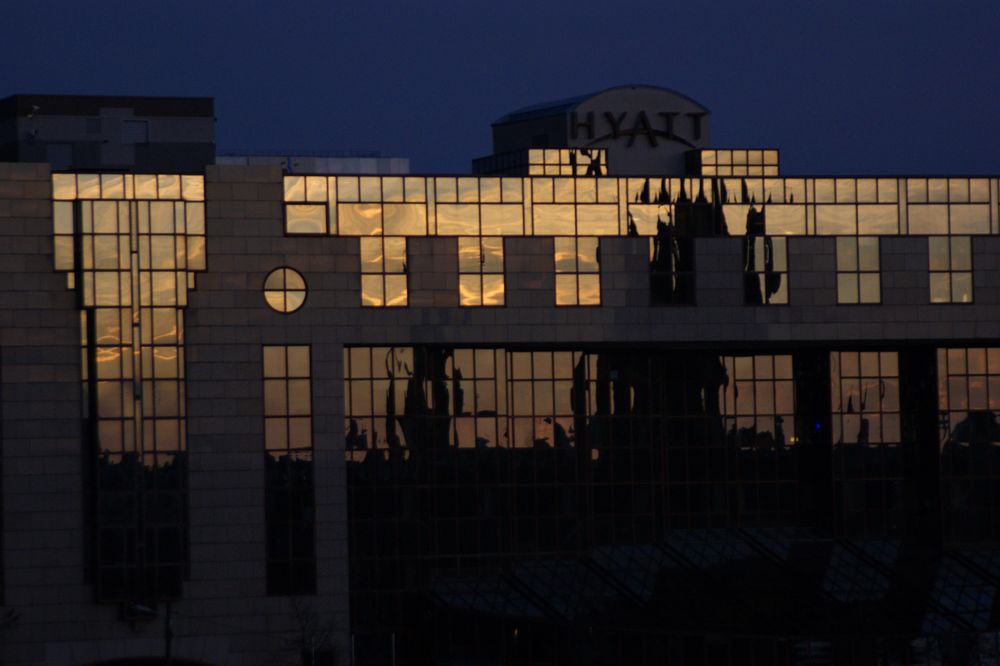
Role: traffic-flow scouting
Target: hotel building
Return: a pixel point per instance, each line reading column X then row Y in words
column 618, row 397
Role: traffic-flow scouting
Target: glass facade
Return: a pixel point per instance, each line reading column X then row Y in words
column 672, row 212
column 131, row 246
column 573, row 494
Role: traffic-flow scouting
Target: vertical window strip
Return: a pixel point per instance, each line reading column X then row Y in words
column 132, row 243
column 288, row 458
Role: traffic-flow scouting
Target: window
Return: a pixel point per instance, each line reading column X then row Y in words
column 758, row 408
column 950, row 264
column 383, row 272
column 481, row 270
column 671, row 269
column 969, row 401
column 867, row 448
column 858, row 279
column 131, row 244
column 729, row 162
column 285, row 290
column 765, row 270
column 578, row 279
column 289, row 492
column 567, row 161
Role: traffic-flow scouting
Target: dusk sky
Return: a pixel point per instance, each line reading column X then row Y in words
column 872, row 87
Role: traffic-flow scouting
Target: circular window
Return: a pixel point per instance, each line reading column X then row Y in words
column 285, row 290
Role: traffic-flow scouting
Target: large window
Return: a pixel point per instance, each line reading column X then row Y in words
column 969, row 400
column 134, row 244
column 867, row 444
column 288, row 457
column 758, row 404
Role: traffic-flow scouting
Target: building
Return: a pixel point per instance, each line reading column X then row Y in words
column 543, row 414
column 349, row 162
column 112, row 134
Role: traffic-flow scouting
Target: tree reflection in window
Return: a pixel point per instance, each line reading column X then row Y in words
column 134, row 243
column 969, row 400
column 867, row 449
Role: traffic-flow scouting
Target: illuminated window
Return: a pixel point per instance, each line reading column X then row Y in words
column 765, row 270
column 289, row 492
column 285, row 290
column 132, row 244
column 578, row 279
column 867, row 448
column 735, row 162
column 480, row 268
column 567, row 162
column 858, row 279
column 383, row 272
column 950, row 264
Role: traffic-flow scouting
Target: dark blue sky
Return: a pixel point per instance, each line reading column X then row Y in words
column 881, row 86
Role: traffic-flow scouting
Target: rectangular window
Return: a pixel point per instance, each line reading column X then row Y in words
column 671, row 269
column 578, row 270
column 765, row 270
column 950, row 266
column 567, row 162
column 383, row 272
column 735, row 162
column 867, row 449
column 968, row 400
column 290, row 504
column 758, row 409
column 481, row 270
column 132, row 244
column 858, row 279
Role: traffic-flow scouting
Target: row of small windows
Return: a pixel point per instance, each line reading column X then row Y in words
column 493, row 189
column 384, row 280
column 418, row 206
column 607, row 219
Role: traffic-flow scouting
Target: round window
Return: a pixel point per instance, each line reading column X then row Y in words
column 285, row 289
